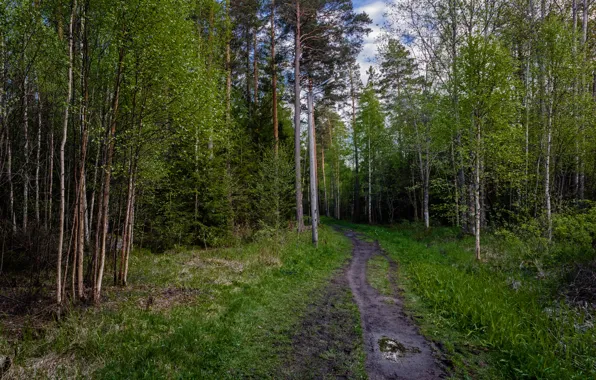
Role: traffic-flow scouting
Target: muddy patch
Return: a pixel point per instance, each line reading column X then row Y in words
column 393, row 350
column 327, row 344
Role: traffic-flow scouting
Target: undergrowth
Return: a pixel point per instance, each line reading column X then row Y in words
column 500, row 318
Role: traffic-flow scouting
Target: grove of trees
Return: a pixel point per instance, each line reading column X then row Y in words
column 143, row 123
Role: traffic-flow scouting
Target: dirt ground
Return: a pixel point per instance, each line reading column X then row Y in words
column 328, row 342
column 327, row 345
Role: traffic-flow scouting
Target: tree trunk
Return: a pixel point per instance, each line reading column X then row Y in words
column 127, row 216
column 106, row 186
column 356, row 216
column 130, row 234
column 48, row 221
column 255, row 69
column 297, row 109
column 26, row 154
column 314, row 203
column 369, row 180
column 37, row 156
column 82, row 193
column 274, row 80
column 547, row 174
column 9, row 175
column 477, row 190
column 585, row 87
column 62, row 147
column 324, row 181
column 228, row 68
column 426, row 186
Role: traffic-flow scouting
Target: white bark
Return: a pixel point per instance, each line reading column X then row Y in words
column 314, row 203
column 37, row 155
column 62, row 148
column 26, row 154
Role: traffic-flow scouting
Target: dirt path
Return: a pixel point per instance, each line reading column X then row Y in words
column 394, row 348
column 328, row 343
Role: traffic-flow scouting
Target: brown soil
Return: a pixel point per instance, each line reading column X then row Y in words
column 327, row 344
column 394, row 347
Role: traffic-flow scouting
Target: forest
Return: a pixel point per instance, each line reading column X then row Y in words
column 206, row 163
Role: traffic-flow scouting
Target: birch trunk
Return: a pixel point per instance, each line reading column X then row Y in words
column 62, row 148
column 324, row 181
column 369, row 180
column 106, row 186
column 130, row 235
column 26, row 154
column 127, row 216
column 547, row 174
column 50, row 186
column 37, row 156
column 477, row 191
column 314, row 203
column 357, row 175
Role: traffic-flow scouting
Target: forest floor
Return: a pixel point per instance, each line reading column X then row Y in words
column 376, row 302
column 277, row 307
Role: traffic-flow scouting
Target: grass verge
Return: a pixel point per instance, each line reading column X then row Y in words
column 226, row 313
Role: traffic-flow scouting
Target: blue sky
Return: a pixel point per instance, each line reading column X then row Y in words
column 375, row 9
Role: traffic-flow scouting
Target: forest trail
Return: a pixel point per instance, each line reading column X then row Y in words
column 394, row 347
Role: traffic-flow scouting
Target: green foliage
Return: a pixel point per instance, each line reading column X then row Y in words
column 576, row 228
column 275, row 188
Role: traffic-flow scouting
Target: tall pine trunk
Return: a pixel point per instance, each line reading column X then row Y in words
column 274, row 80
column 297, row 109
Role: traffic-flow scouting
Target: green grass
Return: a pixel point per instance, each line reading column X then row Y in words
column 226, row 313
column 377, row 274
column 488, row 328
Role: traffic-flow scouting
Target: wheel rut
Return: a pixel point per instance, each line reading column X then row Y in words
column 394, row 347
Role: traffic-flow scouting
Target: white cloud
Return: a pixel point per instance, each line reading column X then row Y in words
column 375, row 11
